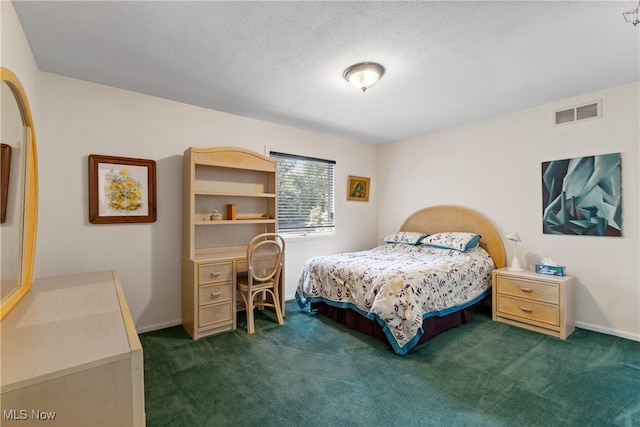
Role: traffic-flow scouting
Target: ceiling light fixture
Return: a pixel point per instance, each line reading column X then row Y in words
column 363, row 75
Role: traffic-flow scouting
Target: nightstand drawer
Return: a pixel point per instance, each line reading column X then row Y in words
column 214, row 293
column 544, row 313
column 218, row 272
column 529, row 289
column 212, row 314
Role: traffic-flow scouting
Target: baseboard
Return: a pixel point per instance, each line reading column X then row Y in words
column 582, row 325
column 159, row 326
column 173, row 323
column 608, row 331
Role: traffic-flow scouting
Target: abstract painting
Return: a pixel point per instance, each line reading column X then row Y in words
column 582, row 196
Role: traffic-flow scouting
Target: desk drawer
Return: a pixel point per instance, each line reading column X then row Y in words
column 217, row 313
column 544, row 313
column 549, row 293
column 217, row 272
column 242, row 266
column 211, row 294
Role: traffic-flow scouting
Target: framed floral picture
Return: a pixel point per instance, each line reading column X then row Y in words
column 358, row 188
column 121, row 190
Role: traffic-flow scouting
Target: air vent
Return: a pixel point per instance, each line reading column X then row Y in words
column 592, row 110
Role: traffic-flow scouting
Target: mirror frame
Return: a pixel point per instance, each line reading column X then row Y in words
column 30, row 196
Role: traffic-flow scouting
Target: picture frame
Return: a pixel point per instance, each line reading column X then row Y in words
column 5, row 159
column 358, row 188
column 582, row 196
column 121, row 190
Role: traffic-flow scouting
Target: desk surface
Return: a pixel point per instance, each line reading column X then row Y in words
column 233, row 254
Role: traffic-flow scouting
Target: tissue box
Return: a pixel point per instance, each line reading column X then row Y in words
column 554, row 270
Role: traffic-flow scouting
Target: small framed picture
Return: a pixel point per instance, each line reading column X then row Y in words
column 121, row 190
column 358, row 188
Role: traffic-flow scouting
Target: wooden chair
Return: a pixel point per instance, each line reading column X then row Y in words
column 264, row 262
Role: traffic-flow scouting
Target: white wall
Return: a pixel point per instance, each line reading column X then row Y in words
column 494, row 167
column 16, row 55
column 81, row 118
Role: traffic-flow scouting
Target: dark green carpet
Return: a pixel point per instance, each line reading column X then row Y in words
column 314, row 372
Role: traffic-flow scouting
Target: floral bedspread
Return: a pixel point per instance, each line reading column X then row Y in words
column 398, row 285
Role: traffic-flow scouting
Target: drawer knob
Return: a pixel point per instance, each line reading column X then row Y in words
column 526, row 309
column 213, row 275
column 527, row 290
column 215, row 294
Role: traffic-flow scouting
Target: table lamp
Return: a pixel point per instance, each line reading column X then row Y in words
column 515, row 263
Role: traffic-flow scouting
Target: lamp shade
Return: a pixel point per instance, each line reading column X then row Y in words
column 514, row 237
column 363, row 75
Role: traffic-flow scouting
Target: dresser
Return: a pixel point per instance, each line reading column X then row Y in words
column 539, row 302
column 71, row 356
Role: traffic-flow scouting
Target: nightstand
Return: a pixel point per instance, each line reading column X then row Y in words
column 539, row 302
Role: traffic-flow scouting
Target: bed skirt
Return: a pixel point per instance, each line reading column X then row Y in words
column 432, row 326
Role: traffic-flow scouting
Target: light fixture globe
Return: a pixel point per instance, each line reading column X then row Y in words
column 364, row 75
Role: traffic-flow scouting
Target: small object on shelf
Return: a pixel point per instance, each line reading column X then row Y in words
column 256, row 216
column 231, row 212
column 216, row 216
column 553, row 270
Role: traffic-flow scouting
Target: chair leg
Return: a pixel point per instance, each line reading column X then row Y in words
column 276, row 306
column 248, row 307
column 276, row 301
column 260, row 305
column 249, row 310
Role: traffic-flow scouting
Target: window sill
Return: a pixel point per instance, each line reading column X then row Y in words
column 304, row 236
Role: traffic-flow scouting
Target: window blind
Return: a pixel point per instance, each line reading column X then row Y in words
column 305, row 190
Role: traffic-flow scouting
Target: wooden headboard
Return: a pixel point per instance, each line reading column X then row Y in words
column 438, row 219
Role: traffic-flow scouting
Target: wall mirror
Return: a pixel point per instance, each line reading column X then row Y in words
column 19, row 195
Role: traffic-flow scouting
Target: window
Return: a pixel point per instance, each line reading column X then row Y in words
column 305, row 194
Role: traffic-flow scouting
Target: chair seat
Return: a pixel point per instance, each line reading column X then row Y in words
column 243, row 285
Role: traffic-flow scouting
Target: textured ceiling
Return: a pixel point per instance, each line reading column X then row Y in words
column 447, row 63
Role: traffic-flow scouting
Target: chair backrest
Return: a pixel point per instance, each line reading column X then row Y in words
column 264, row 256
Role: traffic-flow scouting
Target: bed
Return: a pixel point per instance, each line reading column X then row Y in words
column 426, row 278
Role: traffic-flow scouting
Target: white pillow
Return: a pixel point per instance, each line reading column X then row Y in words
column 406, row 237
column 459, row 241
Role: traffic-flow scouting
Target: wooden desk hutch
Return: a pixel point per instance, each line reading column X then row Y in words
column 241, row 186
